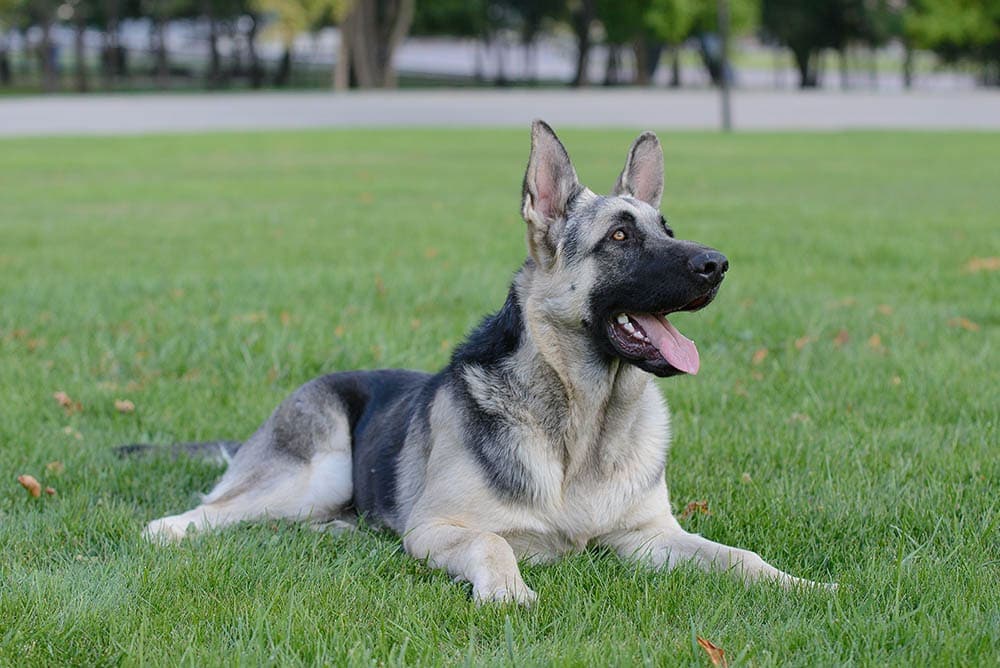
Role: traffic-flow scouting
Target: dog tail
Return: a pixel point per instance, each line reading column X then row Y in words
column 217, row 451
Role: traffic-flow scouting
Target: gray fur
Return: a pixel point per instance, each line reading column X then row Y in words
column 542, row 436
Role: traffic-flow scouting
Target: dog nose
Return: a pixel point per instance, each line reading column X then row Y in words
column 710, row 265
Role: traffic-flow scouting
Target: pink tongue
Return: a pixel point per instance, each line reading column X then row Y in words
column 677, row 349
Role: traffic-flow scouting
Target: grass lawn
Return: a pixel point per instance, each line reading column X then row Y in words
column 844, row 424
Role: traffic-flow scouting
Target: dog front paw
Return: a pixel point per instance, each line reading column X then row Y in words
column 503, row 591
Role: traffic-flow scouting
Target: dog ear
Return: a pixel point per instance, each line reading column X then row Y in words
column 550, row 184
column 642, row 176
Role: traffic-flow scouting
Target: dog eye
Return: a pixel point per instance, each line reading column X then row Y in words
column 619, row 235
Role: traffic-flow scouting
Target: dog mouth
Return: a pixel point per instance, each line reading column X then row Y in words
column 652, row 338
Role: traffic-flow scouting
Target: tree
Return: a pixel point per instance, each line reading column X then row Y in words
column 582, row 16
column 805, row 27
column 959, row 30
column 10, row 13
column 370, row 33
column 291, row 18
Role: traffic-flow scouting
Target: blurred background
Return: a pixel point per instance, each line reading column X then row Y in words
column 187, row 45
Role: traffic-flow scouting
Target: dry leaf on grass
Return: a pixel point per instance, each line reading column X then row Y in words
column 50, row 491
column 841, row 338
column 700, row 507
column 715, row 653
column 875, row 342
column 67, row 403
column 978, row 264
column 803, row 341
column 746, row 477
column 124, row 406
column 964, row 323
column 759, row 356
column 29, row 483
column 55, row 468
column 884, row 309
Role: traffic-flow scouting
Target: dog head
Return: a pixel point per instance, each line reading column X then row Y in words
column 611, row 265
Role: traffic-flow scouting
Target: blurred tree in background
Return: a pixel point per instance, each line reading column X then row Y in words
column 88, row 44
column 959, row 30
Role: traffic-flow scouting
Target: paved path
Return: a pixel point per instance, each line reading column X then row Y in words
column 135, row 114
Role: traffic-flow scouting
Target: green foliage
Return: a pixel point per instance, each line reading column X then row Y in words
column 957, row 29
column 204, row 277
column 292, row 17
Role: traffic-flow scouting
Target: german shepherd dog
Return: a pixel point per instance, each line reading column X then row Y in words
column 544, row 434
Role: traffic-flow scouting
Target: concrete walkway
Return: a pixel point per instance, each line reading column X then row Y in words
column 136, row 114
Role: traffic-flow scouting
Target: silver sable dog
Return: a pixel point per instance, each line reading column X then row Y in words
column 544, row 434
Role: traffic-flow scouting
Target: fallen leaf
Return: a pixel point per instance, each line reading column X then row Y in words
column 978, row 264
column 29, row 483
column 366, row 197
column 799, row 417
column 896, row 380
column 746, row 477
column 50, row 491
column 339, row 331
column 252, row 318
column 124, row 406
column 846, row 301
column 415, row 324
column 715, row 653
column 286, row 318
column 67, row 403
column 379, row 286
column 700, row 507
column 803, row 341
column 875, row 342
column 430, row 253
column 964, row 323
column 759, row 356
column 757, row 375
column 55, row 468
column 884, row 309
column 841, row 338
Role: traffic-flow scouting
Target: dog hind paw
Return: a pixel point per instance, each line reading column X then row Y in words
column 165, row 531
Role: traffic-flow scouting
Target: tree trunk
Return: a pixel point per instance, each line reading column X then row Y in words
column 907, row 65
column 370, row 35
column 675, row 67
column 805, row 62
column 214, row 61
column 50, row 77
column 583, row 17
column 160, row 52
column 5, row 72
column 284, row 72
column 647, row 58
column 256, row 71
column 845, row 84
column 873, row 73
column 80, row 55
column 611, row 70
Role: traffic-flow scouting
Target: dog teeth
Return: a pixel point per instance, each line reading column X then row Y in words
column 638, row 335
column 629, row 327
column 622, row 319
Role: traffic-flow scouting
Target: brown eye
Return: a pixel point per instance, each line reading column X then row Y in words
column 619, row 235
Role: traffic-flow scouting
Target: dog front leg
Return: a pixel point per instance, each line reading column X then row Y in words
column 482, row 558
column 663, row 543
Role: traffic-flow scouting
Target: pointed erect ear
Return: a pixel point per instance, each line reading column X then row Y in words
column 642, row 177
column 550, row 184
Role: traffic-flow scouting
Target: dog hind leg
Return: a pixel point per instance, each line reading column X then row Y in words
column 297, row 466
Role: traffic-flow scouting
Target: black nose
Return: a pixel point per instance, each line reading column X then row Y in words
column 710, row 265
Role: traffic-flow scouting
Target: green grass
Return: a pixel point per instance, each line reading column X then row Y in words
column 204, row 277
